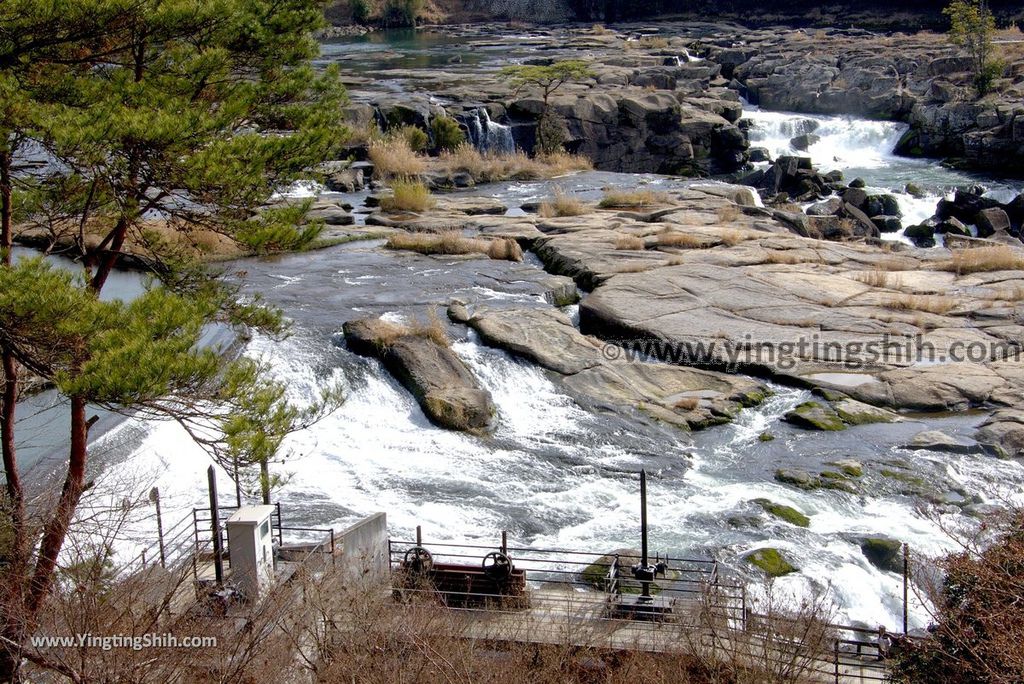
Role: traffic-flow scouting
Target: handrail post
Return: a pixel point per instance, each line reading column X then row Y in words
column 280, row 526
column 218, row 559
column 906, row 588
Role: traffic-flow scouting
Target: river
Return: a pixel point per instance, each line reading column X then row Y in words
column 554, row 474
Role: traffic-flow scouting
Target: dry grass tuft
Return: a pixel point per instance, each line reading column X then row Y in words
column 876, row 278
column 453, row 242
column 687, row 403
column 393, row 158
column 617, row 199
column 491, row 168
column 935, row 304
column 731, row 238
column 729, row 213
column 983, row 260
column 561, row 205
column 630, row 242
column 407, row 196
column 505, row 249
column 600, row 30
column 432, row 329
column 648, row 43
column 787, row 256
column 681, row 240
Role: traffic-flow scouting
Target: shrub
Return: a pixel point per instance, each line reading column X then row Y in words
column 448, row 135
column 550, row 133
column 360, row 11
column 401, row 13
column 407, row 196
column 972, row 27
column 393, row 158
column 977, row 633
column 414, row 136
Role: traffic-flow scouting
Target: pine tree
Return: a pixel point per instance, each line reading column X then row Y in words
column 160, row 118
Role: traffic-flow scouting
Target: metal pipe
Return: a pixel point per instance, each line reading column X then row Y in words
column 218, row 560
column 643, row 516
column 154, row 496
column 906, row 587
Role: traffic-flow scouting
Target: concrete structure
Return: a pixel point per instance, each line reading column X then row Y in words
column 251, row 546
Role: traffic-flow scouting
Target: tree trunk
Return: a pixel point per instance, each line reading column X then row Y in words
column 265, row 482
column 56, row 529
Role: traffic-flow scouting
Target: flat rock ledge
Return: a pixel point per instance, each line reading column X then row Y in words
column 445, row 388
column 686, row 398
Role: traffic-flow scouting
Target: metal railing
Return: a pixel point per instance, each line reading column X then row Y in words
column 705, row 603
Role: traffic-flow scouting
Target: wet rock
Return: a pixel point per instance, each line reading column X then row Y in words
column 882, row 205
column 936, row 440
column 544, row 336
column 771, row 562
column 813, row 416
column 992, row 221
column 856, row 197
column 829, row 207
column 887, row 224
column 759, row 154
column 345, row 180
column 443, row 385
column 858, row 183
column 922, row 234
column 854, row 412
column 953, row 226
column 804, row 142
column 849, row 467
column 686, row 397
column 915, row 190
column 797, row 478
column 1003, row 433
column 885, row 554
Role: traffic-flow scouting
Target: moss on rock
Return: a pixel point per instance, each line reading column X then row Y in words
column 884, row 554
column 813, row 416
column 771, row 562
column 783, row 512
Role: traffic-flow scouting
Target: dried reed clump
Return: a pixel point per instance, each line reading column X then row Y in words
column 634, row 199
column 407, row 196
column 984, row 259
column 452, row 242
column 394, row 158
column 629, row 242
column 561, row 205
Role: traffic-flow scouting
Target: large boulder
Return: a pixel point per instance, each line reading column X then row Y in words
column 443, row 385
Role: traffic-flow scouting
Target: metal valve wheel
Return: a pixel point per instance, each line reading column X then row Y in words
column 419, row 560
column 497, row 566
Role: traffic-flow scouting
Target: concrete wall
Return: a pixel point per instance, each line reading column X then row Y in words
column 364, row 549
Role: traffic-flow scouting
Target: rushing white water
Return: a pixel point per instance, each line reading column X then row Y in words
column 864, row 148
column 552, row 478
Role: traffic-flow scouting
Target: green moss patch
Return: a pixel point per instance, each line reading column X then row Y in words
column 771, row 562
column 783, row 512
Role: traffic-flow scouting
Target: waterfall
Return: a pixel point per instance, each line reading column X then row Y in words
column 487, row 135
column 839, row 142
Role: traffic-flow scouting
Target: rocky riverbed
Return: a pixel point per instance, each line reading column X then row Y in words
column 720, row 335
